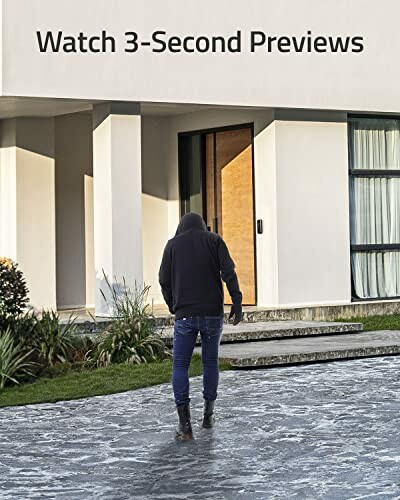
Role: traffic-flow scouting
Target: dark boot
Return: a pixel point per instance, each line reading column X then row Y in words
column 184, row 431
column 208, row 417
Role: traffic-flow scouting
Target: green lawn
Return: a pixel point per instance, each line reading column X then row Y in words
column 81, row 384
column 388, row 322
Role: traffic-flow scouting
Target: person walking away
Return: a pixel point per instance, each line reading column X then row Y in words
column 193, row 263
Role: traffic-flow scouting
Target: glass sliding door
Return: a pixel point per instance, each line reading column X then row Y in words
column 374, row 156
column 190, row 173
column 216, row 181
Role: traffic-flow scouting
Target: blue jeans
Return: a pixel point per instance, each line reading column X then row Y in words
column 185, row 334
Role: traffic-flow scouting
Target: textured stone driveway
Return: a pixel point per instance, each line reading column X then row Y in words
column 329, row 431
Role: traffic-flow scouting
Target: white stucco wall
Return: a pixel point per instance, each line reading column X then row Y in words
column 312, row 212
column 74, row 167
column 8, row 190
column 266, row 210
column 353, row 81
column 155, row 237
column 27, row 204
column 36, row 238
column 154, row 201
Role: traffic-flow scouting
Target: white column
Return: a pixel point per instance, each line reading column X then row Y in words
column 8, row 190
column 27, row 204
column 117, row 198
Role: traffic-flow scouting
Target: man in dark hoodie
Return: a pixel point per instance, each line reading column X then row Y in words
column 192, row 266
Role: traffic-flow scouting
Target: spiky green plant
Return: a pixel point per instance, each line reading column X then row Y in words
column 52, row 340
column 13, row 360
column 132, row 337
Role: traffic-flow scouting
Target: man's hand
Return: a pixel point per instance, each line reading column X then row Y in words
column 236, row 313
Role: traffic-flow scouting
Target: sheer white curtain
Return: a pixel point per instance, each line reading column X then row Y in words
column 374, row 144
column 375, row 206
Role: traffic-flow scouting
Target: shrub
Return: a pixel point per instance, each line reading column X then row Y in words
column 53, row 347
column 13, row 289
column 132, row 336
column 82, row 346
column 13, row 360
column 22, row 327
column 49, row 341
column 52, row 341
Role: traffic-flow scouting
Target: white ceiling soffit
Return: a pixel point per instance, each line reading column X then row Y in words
column 14, row 107
column 19, row 106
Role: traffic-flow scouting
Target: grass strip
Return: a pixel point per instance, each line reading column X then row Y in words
column 371, row 323
column 96, row 382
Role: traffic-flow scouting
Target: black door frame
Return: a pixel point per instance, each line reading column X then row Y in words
column 215, row 130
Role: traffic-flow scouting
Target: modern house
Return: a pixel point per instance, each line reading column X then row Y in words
column 279, row 122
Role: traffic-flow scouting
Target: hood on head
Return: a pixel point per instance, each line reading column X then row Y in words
column 191, row 221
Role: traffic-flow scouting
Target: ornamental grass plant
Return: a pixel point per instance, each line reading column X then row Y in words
column 132, row 337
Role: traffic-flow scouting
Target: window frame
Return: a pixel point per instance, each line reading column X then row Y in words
column 371, row 173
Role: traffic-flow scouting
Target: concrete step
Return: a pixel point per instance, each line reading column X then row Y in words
column 308, row 349
column 251, row 314
column 264, row 330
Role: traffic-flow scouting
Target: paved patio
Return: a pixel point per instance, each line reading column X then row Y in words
column 322, row 431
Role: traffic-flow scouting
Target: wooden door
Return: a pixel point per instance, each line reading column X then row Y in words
column 230, row 203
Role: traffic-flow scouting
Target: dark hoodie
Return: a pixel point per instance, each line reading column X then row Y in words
column 191, row 269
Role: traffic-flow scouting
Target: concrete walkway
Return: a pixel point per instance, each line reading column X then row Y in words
column 324, row 431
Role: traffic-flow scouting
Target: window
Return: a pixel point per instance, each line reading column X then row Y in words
column 374, row 159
